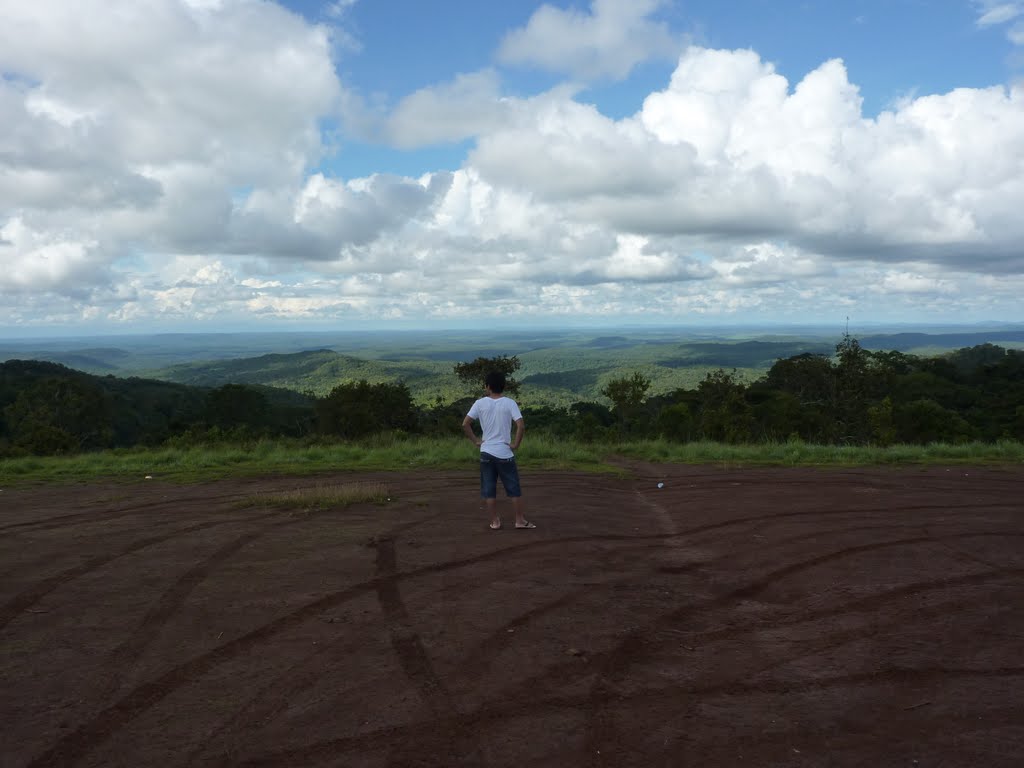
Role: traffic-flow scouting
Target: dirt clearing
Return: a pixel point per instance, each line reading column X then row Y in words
column 770, row 617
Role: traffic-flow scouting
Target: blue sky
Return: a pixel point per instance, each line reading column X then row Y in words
column 892, row 49
column 391, row 163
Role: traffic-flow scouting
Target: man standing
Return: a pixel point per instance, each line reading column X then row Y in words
column 496, row 414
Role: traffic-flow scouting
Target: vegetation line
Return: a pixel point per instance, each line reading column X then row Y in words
column 293, row 457
column 855, row 407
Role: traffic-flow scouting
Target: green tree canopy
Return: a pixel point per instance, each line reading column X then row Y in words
column 358, row 409
column 60, row 415
column 725, row 414
column 627, row 393
column 236, row 405
column 473, row 374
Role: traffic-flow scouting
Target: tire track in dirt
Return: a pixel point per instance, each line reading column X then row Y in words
column 659, row 543
column 332, row 749
column 838, row 638
column 816, row 513
column 879, row 478
column 29, row 597
column 78, row 518
column 169, row 603
column 961, row 554
column 148, row 694
column 760, row 585
column 701, row 481
column 71, row 746
column 821, row 745
column 416, row 663
column 867, row 603
column 172, row 599
column 666, row 539
column 99, row 561
column 480, row 658
column 833, row 640
column 633, row 647
column 889, row 673
column 597, row 717
column 304, row 674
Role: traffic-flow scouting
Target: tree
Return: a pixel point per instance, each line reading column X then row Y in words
column 852, row 385
column 675, row 422
column 592, row 422
column 806, row 390
column 880, row 417
column 628, row 395
column 358, row 409
column 60, row 415
column 925, row 421
column 779, row 415
column 969, row 359
column 808, row 377
column 473, row 374
column 725, row 414
column 444, row 418
column 236, row 405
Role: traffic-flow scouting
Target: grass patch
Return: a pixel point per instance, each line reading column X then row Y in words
column 321, row 497
column 796, row 453
column 397, row 453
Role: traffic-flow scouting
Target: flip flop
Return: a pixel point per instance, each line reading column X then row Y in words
column 494, row 527
column 528, row 525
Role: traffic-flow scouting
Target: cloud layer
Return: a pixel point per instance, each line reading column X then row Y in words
column 164, row 162
column 606, row 42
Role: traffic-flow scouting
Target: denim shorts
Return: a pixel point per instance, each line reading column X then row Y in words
column 491, row 468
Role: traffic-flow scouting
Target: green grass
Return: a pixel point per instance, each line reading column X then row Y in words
column 201, row 463
column 321, row 496
column 196, row 464
column 797, row 453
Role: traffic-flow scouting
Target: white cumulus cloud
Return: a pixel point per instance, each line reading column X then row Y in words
column 163, row 161
column 607, row 42
column 468, row 106
column 134, row 123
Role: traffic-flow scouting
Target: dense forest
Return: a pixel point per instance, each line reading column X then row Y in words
column 854, row 396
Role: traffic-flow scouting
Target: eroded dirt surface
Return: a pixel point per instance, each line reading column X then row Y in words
column 774, row 617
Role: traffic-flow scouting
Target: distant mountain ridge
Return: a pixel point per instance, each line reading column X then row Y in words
column 558, row 367
column 902, row 342
column 316, row 371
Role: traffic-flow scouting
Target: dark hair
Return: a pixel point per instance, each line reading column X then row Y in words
column 496, row 381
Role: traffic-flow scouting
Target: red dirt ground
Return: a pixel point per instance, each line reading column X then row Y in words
column 771, row 617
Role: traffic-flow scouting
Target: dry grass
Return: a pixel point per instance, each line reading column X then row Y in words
column 322, row 496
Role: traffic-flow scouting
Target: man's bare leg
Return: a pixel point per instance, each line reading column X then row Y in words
column 491, row 505
column 517, row 508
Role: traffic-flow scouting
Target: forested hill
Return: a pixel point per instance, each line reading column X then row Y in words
column 909, row 342
column 58, row 409
column 558, row 376
column 318, row 372
column 418, row 356
column 556, row 369
column 313, row 370
column 854, row 396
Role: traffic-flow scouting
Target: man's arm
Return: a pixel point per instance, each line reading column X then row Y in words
column 467, row 428
column 520, row 431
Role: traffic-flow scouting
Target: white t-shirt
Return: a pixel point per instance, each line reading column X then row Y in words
column 496, row 416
